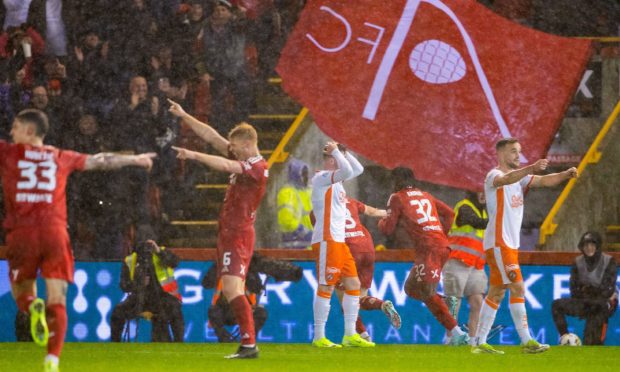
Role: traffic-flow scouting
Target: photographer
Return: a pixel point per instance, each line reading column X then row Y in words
column 594, row 295
column 220, row 313
column 148, row 278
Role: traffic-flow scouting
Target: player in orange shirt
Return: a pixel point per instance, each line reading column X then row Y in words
column 504, row 188
column 334, row 261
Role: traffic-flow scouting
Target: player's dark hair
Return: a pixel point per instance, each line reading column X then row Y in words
column 403, row 177
column 36, row 118
column 504, row 142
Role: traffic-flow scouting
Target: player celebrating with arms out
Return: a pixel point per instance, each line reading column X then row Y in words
column 420, row 213
column 34, row 178
column 334, row 262
column 235, row 237
column 504, row 190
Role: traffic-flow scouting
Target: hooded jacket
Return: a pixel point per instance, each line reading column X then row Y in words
column 593, row 277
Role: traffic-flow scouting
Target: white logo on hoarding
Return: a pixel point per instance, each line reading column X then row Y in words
column 80, row 303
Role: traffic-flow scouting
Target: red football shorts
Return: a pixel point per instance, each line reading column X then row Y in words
column 365, row 265
column 47, row 249
column 429, row 263
column 334, row 261
column 503, row 266
column 234, row 252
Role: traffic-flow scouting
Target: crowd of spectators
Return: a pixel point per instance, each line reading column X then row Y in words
column 102, row 70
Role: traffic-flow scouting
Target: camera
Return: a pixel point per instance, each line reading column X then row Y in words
column 144, row 251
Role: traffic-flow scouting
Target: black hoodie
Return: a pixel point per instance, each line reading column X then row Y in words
column 607, row 287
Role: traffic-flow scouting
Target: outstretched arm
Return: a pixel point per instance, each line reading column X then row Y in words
column 554, row 179
column 375, row 212
column 203, row 130
column 218, row 163
column 518, row 174
column 109, row 161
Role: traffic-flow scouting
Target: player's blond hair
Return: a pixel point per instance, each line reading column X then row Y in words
column 243, row 131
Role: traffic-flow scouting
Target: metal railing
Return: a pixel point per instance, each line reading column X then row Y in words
column 279, row 155
column 593, row 156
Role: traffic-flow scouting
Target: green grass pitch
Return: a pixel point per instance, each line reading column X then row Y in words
column 146, row 357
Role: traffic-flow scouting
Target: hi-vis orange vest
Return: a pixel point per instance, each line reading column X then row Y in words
column 165, row 275
column 466, row 241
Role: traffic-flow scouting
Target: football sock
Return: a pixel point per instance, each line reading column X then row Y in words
column 440, row 311
column 519, row 317
column 321, row 313
column 24, row 300
column 243, row 314
column 56, row 317
column 370, row 303
column 359, row 325
column 487, row 317
column 456, row 331
column 351, row 307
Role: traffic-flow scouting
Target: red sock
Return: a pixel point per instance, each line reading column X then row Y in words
column 359, row 325
column 370, row 303
column 440, row 311
column 24, row 300
column 243, row 313
column 56, row 316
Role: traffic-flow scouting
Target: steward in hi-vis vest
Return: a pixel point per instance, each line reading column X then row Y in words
column 467, row 232
column 294, row 207
column 463, row 274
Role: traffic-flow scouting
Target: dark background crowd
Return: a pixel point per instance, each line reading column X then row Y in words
column 103, row 69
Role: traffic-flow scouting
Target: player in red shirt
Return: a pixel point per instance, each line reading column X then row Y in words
column 34, row 178
column 362, row 249
column 427, row 221
column 235, row 239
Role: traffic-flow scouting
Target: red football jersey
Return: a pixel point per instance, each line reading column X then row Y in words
column 356, row 236
column 420, row 215
column 34, row 181
column 244, row 193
